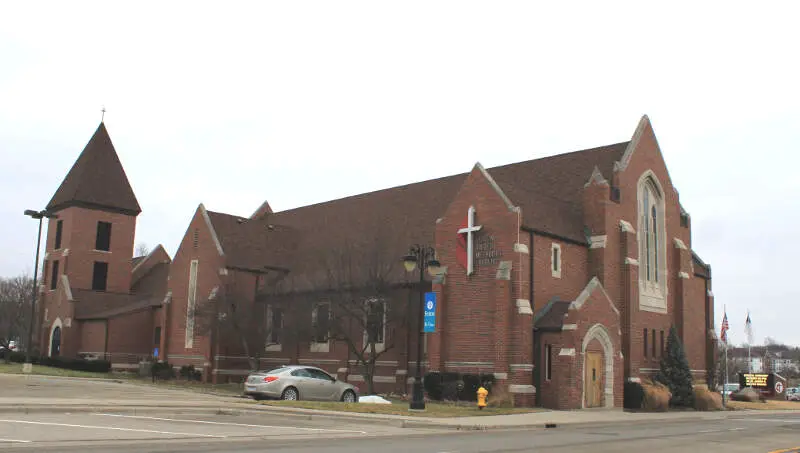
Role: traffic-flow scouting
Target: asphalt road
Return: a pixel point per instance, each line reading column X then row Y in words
column 98, row 432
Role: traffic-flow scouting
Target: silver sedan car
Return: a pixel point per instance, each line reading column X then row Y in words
column 299, row 382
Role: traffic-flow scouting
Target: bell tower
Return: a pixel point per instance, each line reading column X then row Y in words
column 91, row 240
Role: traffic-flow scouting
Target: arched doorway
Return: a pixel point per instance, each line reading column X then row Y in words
column 598, row 368
column 55, row 339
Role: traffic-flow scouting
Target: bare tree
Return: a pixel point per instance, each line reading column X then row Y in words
column 252, row 324
column 15, row 309
column 363, row 315
column 141, row 249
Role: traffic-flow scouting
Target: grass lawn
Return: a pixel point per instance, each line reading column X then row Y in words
column 16, row 368
column 200, row 387
column 769, row 405
column 433, row 409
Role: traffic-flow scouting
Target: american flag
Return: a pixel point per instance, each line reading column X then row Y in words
column 724, row 330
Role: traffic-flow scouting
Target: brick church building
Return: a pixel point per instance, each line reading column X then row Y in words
column 561, row 276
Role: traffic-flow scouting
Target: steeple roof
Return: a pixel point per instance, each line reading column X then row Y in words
column 97, row 180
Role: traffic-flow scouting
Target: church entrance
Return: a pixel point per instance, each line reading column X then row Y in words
column 55, row 342
column 593, row 379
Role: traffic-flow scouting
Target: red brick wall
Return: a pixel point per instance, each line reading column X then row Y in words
column 130, row 336
column 93, row 336
column 574, row 270
column 79, row 232
column 209, row 265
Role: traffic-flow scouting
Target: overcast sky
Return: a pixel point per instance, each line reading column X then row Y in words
column 300, row 102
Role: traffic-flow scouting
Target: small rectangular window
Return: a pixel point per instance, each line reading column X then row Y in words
column 555, row 260
column 59, row 228
column 376, row 327
column 548, row 362
column 103, row 239
column 662, row 342
column 320, row 320
column 645, row 342
column 54, row 276
column 99, row 276
column 684, row 221
column 275, row 324
column 654, row 343
column 157, row 336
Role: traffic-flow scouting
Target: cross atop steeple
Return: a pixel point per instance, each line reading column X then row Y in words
column 103, row 114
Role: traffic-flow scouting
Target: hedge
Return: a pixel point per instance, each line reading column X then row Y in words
column 633, row 395
column 92, row 366
column 451, row 386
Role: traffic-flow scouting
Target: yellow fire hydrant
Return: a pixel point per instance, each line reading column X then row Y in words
column 482, row 394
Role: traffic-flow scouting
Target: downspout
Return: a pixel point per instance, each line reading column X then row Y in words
column 530, row 271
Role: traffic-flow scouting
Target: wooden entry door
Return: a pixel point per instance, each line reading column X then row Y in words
column 593, row 381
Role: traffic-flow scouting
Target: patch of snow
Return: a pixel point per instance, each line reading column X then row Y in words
column 373, row 399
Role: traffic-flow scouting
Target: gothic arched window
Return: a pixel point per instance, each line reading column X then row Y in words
column 652, row 242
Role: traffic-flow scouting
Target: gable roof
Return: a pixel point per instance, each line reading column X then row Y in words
column 96, row 180
column 549, row 191
column 551, row 317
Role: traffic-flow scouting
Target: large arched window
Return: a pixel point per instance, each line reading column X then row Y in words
column 652, row 244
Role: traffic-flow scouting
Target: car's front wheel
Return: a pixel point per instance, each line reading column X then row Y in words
column 349, row 396
column 290, row 394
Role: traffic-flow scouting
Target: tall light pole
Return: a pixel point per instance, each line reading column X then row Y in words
column 38, row 215
column 423, row 257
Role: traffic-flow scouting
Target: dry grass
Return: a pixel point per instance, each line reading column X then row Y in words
column 433, row 409
column 706, row 400
column 656, row 397
column 768, row 405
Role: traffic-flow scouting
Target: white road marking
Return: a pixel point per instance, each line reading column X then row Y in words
column 69, row 425
column 15, row 440
column 233, row 424
column 707, row 431
column 773, row 420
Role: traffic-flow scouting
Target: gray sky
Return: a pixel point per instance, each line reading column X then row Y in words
column 301, row 102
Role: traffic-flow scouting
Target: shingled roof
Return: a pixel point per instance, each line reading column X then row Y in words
column 549, row 191
column 97, row 180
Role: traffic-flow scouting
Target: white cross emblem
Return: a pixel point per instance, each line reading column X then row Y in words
column 469, row 229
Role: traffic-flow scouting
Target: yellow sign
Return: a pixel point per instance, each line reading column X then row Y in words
column 755, row 380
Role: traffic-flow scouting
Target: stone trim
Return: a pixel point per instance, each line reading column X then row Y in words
column 521, row 367
column 67, row 288
column 587, row 292
column 377, row 362
column 622, row 164
column 634, row 379
column 356, row 378
column 569, row 327
column 312, row 361
column 223, row 271
column 401, row 372
column 495, row 186
column 521, row 248
column 631, row 261
column 504, row 270
column 679, row 244
column 710, row 294
column 229, row 372
column 524, row 307
column 683, row 275
column 567, row 352
column 211, row 229
column 501, row 376
column 469, row 364
column 626, row 227
column 598, row 242
column 319, row 347
column 384, row 379
column 600, row 333
column 555, row 265
column 342, row 370
column 526, row 389
column 596, row 178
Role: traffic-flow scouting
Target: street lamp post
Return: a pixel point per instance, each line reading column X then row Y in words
column 37, row 215
column 425, row 258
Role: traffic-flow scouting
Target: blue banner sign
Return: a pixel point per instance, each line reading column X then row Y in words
column 429, row 324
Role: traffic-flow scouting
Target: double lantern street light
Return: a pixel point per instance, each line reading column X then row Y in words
column 424, row 258
column 36, row 215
